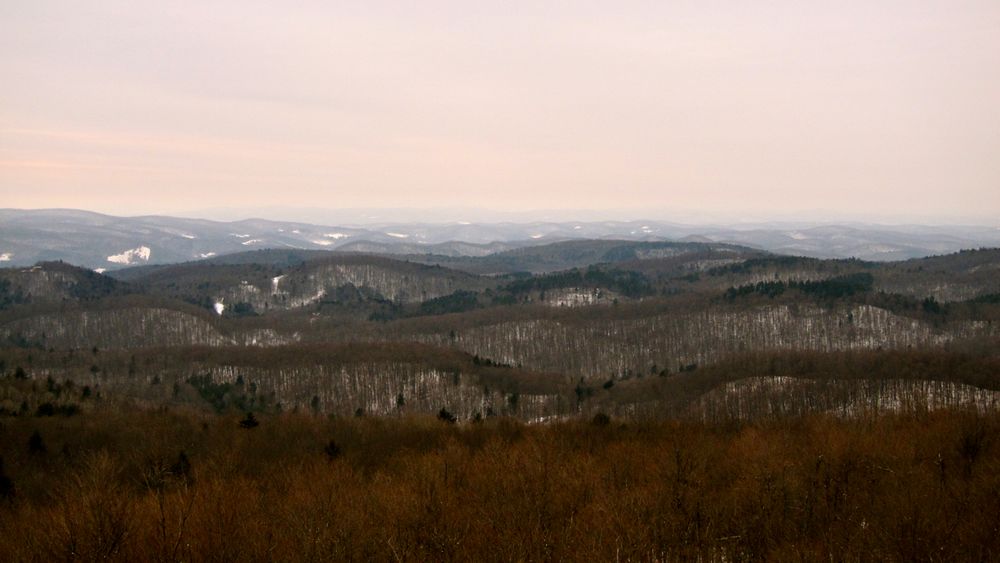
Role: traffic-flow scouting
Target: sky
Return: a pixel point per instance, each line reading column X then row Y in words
column 737, row 109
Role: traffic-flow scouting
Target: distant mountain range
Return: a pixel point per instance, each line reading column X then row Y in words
column 104, row 242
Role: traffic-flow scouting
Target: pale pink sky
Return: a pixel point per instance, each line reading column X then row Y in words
column 757, row 107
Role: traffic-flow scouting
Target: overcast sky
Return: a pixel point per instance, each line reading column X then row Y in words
column 757, row 108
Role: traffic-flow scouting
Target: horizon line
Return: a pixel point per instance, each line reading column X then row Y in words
column 813, row 217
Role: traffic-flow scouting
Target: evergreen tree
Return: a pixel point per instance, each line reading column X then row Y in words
column 249, row 422
column 446, row 416
column 36, row 444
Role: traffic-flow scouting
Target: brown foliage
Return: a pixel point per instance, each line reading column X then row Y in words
column 899, row 488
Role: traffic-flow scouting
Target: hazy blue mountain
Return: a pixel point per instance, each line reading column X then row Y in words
column 105, row 242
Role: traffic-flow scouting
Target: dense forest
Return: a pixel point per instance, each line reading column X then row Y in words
column 575, row 401
column 339, row 333
column 180, row 485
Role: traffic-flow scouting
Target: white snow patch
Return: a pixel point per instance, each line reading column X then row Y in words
column 188, row 236
column 281, row 230
column 252, row 241
column 274, row 283
column 464, row 223
column 206, row 255
column 100, row 270
column 537, row 236
column 398, row 235
column 336, row 235
column 131, row 256
column 874, row 248
column 798, row 236
column 219, row 308
column 321, row 242
column 6, row 256
column 239, row 236
column 578, row 297
column 296, row 231
column 577, row 227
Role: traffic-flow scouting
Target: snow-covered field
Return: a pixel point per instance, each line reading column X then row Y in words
column 135, row 255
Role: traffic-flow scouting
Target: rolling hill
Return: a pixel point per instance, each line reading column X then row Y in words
column 105, row 242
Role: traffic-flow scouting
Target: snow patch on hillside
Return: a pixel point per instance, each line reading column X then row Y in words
column 206, row 255
column 878, row 248
column 131, row 256
column 6, row 256
column 188, row 236
column 578, row 297
column 336, row 236
column 252, row 241
column 321, row 242
column 219, row 308
column 398, row 235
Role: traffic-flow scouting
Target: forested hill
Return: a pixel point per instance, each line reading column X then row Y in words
column 548, row 331
column 581, row 253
